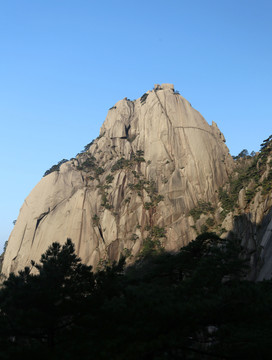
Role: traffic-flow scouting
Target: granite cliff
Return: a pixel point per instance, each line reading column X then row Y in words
column 155, row 177
column 155, row 159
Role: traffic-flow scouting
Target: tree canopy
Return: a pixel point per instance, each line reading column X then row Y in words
column 193, row 304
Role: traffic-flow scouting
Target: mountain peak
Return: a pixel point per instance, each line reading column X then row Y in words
column 156, row 158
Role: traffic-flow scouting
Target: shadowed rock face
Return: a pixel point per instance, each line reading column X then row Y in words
column 155, row 158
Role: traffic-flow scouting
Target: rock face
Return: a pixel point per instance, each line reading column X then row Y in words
column 251, row 220
column 156, row 158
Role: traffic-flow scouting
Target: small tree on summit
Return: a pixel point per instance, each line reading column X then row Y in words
column 243, row 154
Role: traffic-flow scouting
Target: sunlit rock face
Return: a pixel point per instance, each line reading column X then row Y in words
column 155, row 159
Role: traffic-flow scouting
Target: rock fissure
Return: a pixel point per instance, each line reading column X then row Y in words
column 101, row 233
column 197, row 128
column 82, row 220
column 40, row 218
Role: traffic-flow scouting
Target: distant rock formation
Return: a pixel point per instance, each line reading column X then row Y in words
column 155, row 160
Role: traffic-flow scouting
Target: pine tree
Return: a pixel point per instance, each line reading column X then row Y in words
column 42, row 302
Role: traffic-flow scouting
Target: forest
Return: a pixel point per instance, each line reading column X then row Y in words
column 192, row 304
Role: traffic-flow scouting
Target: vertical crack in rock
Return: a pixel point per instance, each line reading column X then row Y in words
column 82, row 220
column 127, row 131
column 40, row 218
column 197, row 128
column 168, row 118
column 101, row 233
column 163, row 108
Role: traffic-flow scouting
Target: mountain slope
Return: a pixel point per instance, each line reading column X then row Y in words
column 132, row 190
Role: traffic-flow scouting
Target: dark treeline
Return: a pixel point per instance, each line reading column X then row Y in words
column 193, row 304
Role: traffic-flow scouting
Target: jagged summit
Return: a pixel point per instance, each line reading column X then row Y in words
column 154, row 160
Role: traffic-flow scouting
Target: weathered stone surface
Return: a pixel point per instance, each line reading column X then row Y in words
column 254, row 228
column 241, row 198
column 185, row 157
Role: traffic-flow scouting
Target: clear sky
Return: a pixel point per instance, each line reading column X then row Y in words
column 64, row 63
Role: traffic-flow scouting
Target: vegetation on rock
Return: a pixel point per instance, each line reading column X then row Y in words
column 249, row 175
column 143, row 98
column 55, row 167
column 202, row 208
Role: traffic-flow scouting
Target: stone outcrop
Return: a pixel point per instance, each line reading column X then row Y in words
column 156, row 158
column 253, row 227
column 246, row 211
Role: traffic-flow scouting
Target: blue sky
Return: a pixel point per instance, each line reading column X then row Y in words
column 64, row 63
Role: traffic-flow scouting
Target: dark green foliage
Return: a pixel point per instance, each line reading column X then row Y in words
column 204, row 228
column 139, row 153
column 39, row 308
column 253, row 171
column 109, row 179
column 267, row 184
column 120, row 164
column 149, row 186
column 229, row 197
column 151, row 189
column 246, row 174
column 5, row 245
column 105, row 201
column 266, row 143
column 87, row 147
column 202, row 208
column 210, row 222
column 157, row 232
column 95, row 219
column 134, row 237
column 55, row 167
column 88, row 164
column 100, row 135
column 151, row 247
column 138, row 157
column 188, row 305
column 209, row 251
column 152, row 243
column 143, row 98
column 126, row 253
column 228, row 200
column 123, row 163
column 139, row 186
column 98, row 171
column 250, row 193
column 148, row 205
column 91, row 165
column 103, row 187
column 243, row 154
